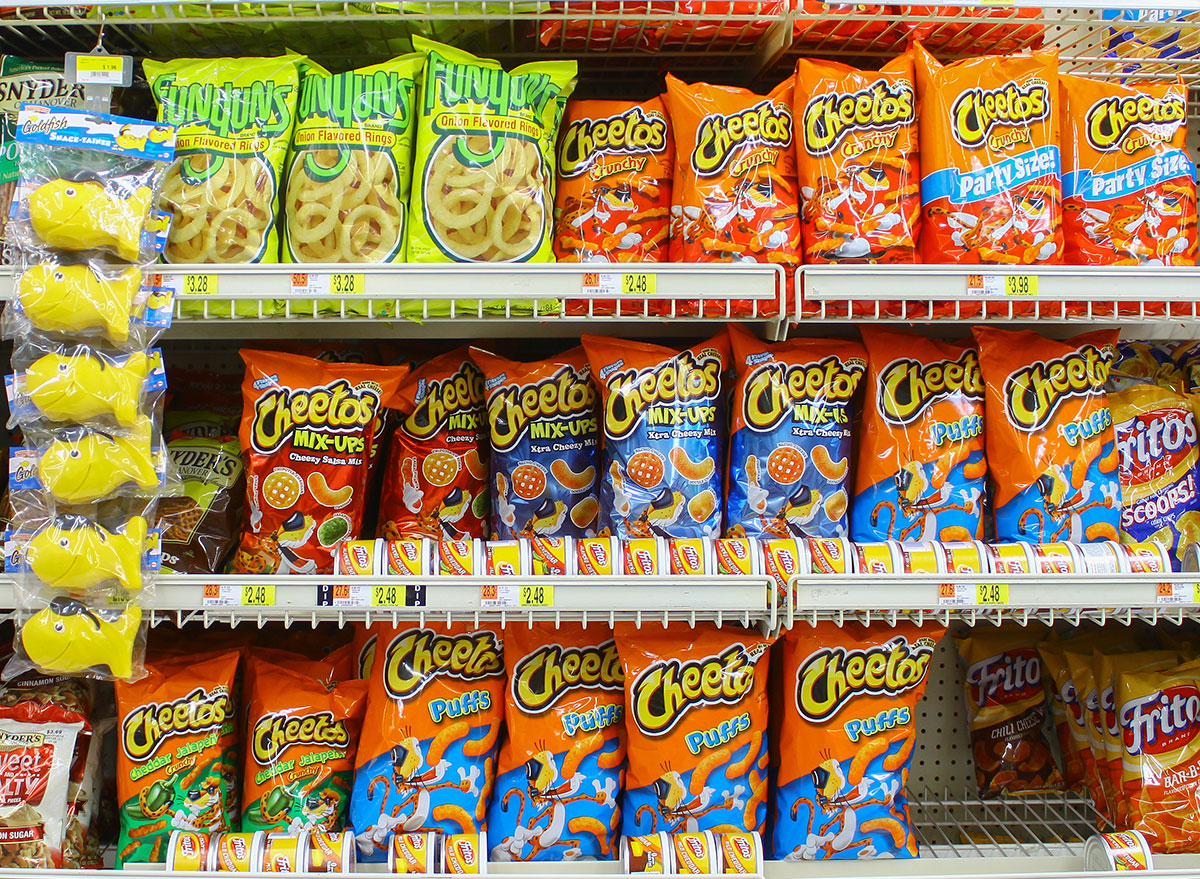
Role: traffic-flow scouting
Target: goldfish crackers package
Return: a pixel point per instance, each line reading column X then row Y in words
column 306, row 434
column 663, row 421
column 921, row 467
column 177, row 755
column 857, row 160
column 562, row 763
column 990, row 161
column 850, row 695
column 789, row 455
column 426, row 759
column 545, row 438
column 435, row 481
column 1050, row 448
column 696, row 721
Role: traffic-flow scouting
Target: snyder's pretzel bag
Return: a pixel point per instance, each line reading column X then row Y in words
column 849, row 697
column 307, row 435
column 1050, row 448
column 542, row 421
column 663, row 423
column 1129, row 188
column 435, row 481
column 990, row 188
column 696, row 722
column 856, row 154
column 177, row 766
column 35, row 766
column 921, row 467
column 426, row 758
column 562, row 763
column 201, row 526
column 789, row 453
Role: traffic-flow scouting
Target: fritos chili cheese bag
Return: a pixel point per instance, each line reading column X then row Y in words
column 1007, row 705
column 663, row 421
column 696, row 721
column 563, row 760
column 1050, row 446
column 301, row 733
column 307, row 434
column 789, row 453
column 426, row 757
column 1129, row 188
column 435, row 482
column 1065, row 713
column 177, row 766
column 735, row 180
column 857, row 159
column 921, row 467
column 542, row 420
column 989, row 155
column 849, row 726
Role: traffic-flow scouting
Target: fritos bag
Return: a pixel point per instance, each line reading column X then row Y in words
column 427, row 754
column 857, row 158
column 1139, row 362
column 849, row 721
column 663, row 422
column 35, row 765
column 1066, row 715
column 1050, row 446
column 1129, row 188
column 299, row 755
column 990, row 161
column 789, row 453
column 307, row 434
column 1083, row 675
column 545, row 438
column 921, row 466
column 696, row 721
column 1187, row 360
column 435, row 481
column 564, row 757
column 1007, row 706
column 177, row 766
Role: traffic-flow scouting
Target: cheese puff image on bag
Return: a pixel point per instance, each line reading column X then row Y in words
column 562, row 763
column 696, row 722
column 426, row 758
column 850, row 695
column 1050, row 444
column 921, row 468
column 990, row 160
column 663, row 422
column 789, row 452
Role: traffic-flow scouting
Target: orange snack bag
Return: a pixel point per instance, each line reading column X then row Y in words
column 435, row 482
column 857, row 155
column 1083, row 674
column 307, row 435
column 959, row 38
column 1129, row 188
column 990, row 192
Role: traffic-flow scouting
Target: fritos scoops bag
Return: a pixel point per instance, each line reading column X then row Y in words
column 1129, row 188
column 427, row 754
column 663, row 422
column 857, row 160
column 789, row 453
column 1050, row 447
column 849, row 717
column 563, row 760
column 990, row 189
column 696, row 722
column 1159, row 452
column 921, row 468
column 545, row 437
column 307, row 433
column 177, row 766
column 435, row 481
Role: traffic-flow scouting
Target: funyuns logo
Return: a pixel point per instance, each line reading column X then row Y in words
column 1035, row 392
column 545, row 675
column 977, row 111
column 908, row 387
column 146, row 727
column 416, row 657
column 832, row 676
column 1133, row 122
column 587, row 144
column 830, row 119
column 667, row 690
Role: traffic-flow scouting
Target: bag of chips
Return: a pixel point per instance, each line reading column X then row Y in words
column 201, row 526
column 1083, row 676
column 1145, row 362
column 35, row 765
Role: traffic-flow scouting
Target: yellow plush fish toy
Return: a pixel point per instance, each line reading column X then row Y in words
column 69, row 637
column 72, row 299
column 79, row 387
column 83, row 215
column 93, row 467
column 74, row 554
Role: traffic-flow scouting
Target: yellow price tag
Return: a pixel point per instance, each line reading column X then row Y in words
column 98, row 63
column 387, row 595
column 640, row 284
column 537, row 596
column 1196, row 593
column 1020, row 285
column 199, row 285
column 991, row 593
column 345, row 284
column 258, row 595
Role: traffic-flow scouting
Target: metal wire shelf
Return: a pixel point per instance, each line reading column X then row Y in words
column 949, row 824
